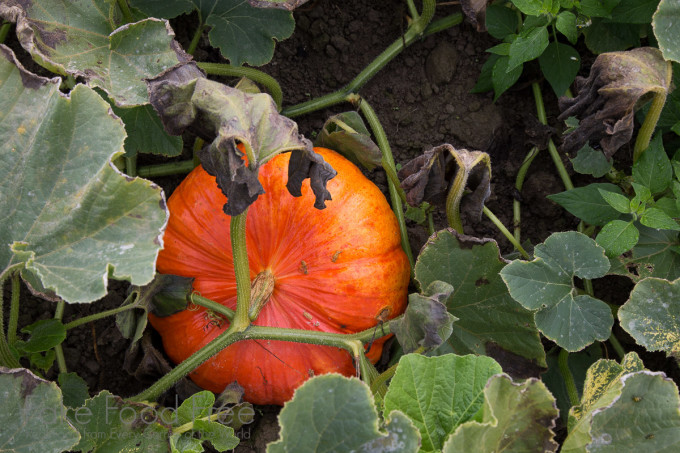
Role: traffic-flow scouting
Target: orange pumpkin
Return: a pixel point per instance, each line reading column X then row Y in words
column 341, row 269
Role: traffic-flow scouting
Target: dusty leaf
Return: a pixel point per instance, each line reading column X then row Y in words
column 32, row 415
column 515, row 418
column 666, row 23
column 426, row 322
column 70, row 218
column 347, row 134
column 288, row 5
column 619, row 83
column 87, row 39
column 651, row 315
column 226, row 117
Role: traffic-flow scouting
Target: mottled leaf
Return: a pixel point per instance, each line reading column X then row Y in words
column 601, row 387
column 439, row 393
column 334, row 413
column 347, row 134
column 426, row 322
column 87, row 39
column 70, row 218
column 243, row 33
column 645, row 416
column 608, row 98
column 486, row 312
column 651, row 315
column 223, row 116
column 515, row 418
column 32, row 415
column 546, row 286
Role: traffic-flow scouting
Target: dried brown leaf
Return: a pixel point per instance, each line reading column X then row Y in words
column 618, row 84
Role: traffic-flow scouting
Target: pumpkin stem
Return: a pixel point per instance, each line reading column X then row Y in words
column 261, row 290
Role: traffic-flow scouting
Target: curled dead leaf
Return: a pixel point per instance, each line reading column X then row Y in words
column 619, row 83
column 226, row 117
column 475, row 11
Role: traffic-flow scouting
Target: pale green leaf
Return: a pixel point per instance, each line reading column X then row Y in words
column 516, row 418
column 656, row 218
column 666, row 23
column 243, row 33
column 331, row 413
column 86, row 38
column 439, row 393
column 32, row 416
column 652, row 315
column 486, row 313
column 70, row 218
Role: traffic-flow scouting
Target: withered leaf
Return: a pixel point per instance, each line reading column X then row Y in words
column 347, row 134
column 226, row 117
column 618, row 84
column 426, row 323
column 475, row 11
column 429, row 176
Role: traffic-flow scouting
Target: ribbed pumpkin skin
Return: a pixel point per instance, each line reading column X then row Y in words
column 335, row 270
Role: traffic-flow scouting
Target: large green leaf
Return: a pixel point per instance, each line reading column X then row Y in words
column 516, row 418
column 439, row 393
column 486, row 312
column 666, row 23
column 546, row 286
column 32, row 416
column 645, row 416
column 69, row 217
column 86, row 38
column 652, row 315
column 243, row 33
column 331, row 413
column 601, row 386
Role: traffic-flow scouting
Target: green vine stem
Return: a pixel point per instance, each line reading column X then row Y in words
column 349, row 342
column 239, row 249
column 269, row 82
column 131, row 165
column 4, row 30
column 197, row 35
column 197, row 299
column 519, row 183
column 172, row 168
column 617, row 345
column 13, row 321
column 490, row 215
column 97, row 316
column 6, row 357
column 125, row 9
column 418, row 28
column 58, row 351
column 397, row 195
column 563, row 363
column 647, row 129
